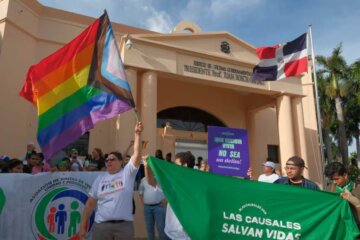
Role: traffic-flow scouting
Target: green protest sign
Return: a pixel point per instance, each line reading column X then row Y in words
column 212, row 206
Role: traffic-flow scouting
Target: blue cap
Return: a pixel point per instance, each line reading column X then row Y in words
column 4, row 158
column 270, row 164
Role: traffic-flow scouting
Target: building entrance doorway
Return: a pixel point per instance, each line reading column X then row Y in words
column 185, row 129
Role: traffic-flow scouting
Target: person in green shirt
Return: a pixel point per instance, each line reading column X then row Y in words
column 346, row 188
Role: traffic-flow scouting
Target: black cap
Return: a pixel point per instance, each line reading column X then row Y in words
column 296, row 161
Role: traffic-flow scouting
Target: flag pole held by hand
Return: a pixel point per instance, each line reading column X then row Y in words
column 137, row 115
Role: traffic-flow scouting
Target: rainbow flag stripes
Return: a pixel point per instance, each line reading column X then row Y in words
column 77, row 86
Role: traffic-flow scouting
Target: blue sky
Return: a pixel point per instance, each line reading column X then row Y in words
column 259, row 22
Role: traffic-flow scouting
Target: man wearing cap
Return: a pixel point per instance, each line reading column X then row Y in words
column 269, row 174
column 76, row 163
column 294, row 170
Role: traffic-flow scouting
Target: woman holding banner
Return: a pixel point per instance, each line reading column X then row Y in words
column 112, row 194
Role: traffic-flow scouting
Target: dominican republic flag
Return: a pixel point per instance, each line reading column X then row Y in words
column 281, row 61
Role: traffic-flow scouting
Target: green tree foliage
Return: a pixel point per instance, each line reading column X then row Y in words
column 334, row 70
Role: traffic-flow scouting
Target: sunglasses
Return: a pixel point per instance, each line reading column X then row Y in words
column 110, row 160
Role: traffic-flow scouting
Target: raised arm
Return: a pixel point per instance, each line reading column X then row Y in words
column 126, row 152
column 88, row 210
column 149, row 174
column 137, row 145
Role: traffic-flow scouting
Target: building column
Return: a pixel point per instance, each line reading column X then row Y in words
column 315, row 162
column 285, row 126
column 149, row 110
column 253, row 156
column 125, row 122
column 299, row 131
column 168, row 142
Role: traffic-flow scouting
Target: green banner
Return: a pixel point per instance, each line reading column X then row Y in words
column 2, row 199
column 212, row 206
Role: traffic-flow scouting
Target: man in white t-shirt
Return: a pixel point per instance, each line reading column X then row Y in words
column 173, row 228
column 154, row 209
column 269, row 174
column 111, row 194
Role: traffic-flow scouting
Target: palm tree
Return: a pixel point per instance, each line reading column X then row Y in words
column 352, row 110
column 335, row 67
column 327, row 112
column 353, row 105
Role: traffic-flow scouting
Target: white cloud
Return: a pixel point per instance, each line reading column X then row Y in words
column 145, row 14
column 237, row 16
column 156, row 20
column 140, row 13
column 217, row 11
column 159, row 22
column 221, row 8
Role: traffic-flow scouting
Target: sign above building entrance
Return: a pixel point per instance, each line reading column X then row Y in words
column 219, row 71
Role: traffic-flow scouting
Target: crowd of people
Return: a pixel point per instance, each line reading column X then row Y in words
column 33, row 162
column 111, row 195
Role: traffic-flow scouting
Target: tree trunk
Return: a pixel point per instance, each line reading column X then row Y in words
column 329, row 155
column 342, row 133
column 357, row 147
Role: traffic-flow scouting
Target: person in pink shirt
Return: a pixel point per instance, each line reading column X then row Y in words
column 41, row 165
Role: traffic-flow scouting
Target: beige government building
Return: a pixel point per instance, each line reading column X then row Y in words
column 182, row 82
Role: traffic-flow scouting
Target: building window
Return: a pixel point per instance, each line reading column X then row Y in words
column 273, row 153
column 187, row 119
column 82, row 145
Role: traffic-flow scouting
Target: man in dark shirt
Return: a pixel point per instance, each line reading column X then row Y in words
column 32, row 159
column 294, row 170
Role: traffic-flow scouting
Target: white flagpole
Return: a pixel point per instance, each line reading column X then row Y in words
column 319, row 121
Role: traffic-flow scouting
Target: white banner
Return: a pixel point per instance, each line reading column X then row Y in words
column 44, row 206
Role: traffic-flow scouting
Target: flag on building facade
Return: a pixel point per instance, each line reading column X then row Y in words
column 281, row 61
column 77, row 86
column 211, row 206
